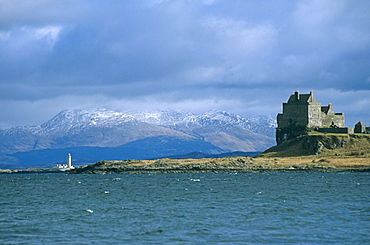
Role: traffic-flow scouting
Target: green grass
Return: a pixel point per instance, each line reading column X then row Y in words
column 332, row 145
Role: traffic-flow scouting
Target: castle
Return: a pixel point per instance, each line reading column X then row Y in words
column 302, row 113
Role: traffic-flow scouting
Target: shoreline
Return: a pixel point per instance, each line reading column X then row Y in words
column 256, row 170
column 218, row 165
column 215, row 170
column 227, row 165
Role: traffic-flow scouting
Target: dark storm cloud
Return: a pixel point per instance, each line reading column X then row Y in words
column 242, row 56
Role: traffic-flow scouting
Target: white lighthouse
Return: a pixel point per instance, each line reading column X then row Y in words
column 69, row 161
column 68, row 166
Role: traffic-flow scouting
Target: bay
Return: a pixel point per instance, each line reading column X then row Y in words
column 196, row 208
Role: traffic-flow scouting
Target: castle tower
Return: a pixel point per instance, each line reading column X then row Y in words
column 69, row 161
column 302, row 113
column 301, row 110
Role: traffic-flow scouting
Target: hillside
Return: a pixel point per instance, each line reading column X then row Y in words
column 317, row 144
column 91, row 135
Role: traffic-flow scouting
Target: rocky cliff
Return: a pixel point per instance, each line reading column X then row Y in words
column 323, row 145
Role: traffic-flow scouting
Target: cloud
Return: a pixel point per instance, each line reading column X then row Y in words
column 235, row 38
column 26, row 40
column 180, row 54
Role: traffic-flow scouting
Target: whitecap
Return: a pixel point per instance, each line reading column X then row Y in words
column 89, row 210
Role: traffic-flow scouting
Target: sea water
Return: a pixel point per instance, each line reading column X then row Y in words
column 199, row 208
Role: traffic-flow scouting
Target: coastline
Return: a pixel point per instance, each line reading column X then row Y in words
column 218, row 165
column 227, row 165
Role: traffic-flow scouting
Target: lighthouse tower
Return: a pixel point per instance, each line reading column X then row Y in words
column 69, row 161
column 68, row 166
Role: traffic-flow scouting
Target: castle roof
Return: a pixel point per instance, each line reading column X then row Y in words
column 360, row 124
column 296, row 97
column 327, row 108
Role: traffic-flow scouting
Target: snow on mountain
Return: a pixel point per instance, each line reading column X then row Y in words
column 218, row 120
column 72, row 120
column 150, row 133
column 80, row 127
column 257, row 124
column 162, row 117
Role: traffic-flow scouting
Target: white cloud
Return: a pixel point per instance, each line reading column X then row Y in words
column 316, row 16
column 326, row 75
column 208, row 2
column 352, row 39
column 234, row 38
column 49, row 34
column 29, row 41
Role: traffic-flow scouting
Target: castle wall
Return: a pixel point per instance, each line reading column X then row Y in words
column 332, row 118
column 314, row 116
column 339, row 119
column 293, row 114
column 337, row 130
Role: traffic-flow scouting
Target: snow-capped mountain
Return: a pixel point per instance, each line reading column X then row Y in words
column 264, row 125
column 162, row 117
column 70, row 121
column 139, row 134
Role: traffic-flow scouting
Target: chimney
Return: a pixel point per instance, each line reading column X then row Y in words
column 296, row 95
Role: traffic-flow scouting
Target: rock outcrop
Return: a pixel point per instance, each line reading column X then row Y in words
column 322, row 144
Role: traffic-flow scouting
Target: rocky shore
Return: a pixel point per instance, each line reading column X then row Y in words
column 29, row 171
column 229, row 164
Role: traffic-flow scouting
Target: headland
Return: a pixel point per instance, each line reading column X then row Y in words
column 313, row 152
column 228, row 165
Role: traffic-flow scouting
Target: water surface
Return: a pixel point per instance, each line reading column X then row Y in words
column 245, row 208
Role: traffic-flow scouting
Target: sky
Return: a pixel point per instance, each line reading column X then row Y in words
column 244, row 57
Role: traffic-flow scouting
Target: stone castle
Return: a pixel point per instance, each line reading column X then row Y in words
column 302, row 113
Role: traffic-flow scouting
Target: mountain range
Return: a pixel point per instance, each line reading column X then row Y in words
column 96, row 134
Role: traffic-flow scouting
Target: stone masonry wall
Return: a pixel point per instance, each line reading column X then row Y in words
column 330, row 118
column 314, row 116
column 294, row 114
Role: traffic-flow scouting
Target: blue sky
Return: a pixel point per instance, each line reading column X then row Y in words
column 244, row 57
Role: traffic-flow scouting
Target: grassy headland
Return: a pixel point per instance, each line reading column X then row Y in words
column 229, row 164
column 314, row 152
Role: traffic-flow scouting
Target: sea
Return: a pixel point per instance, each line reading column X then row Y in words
column 185, row 208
